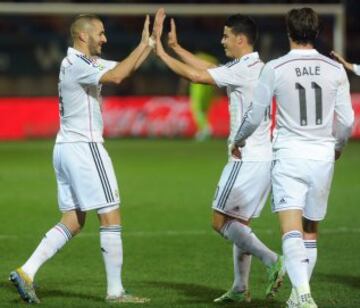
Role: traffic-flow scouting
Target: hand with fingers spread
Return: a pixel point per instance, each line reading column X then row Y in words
column 172, row 36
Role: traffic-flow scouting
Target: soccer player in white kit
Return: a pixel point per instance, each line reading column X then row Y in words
column 314, row 120
column 355, row 68
column 84, row 172
column 244, row 184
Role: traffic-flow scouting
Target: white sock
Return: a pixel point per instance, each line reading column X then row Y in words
column 242, row 236
column 242, row 264
column 111, row 248
column 296, row 260
column 51, row 243
column 311, row 250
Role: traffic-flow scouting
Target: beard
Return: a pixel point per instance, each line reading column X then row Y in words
column 94, row 47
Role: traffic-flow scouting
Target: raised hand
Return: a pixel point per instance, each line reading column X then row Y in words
column 158, row 23
column 172, row 37
column 158, row 29
column 146, row 33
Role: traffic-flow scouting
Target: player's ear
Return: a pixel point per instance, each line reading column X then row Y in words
column 83, row 36
column 240, row 38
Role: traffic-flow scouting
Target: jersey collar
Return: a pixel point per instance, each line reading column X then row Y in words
column 303, row 51
column 252, row 55
column 73, row 51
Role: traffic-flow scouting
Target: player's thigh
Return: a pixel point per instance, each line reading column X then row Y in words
column 66, row 197
column 320, row 179
column 289, row 185
column 91, row 174
column 243, row 189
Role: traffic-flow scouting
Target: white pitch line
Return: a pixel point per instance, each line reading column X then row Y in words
column 339, row 230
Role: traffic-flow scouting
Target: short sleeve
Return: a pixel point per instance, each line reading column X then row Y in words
column 88, row 72
column 108, row 64
column 227, row 75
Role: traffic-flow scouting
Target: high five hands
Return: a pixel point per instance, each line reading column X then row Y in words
column 154, row 41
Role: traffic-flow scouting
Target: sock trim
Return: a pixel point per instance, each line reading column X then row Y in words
column 310, row 244
column 111, row 229
column 292, row 234
column 63, row 229
column 226, row 226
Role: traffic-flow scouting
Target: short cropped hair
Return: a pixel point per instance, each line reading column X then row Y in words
column 80, row 22
column 303, row 25
column 241, row 24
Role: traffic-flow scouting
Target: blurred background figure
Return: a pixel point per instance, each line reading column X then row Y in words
column 201, row 97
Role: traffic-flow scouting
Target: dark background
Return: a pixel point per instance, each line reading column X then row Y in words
column 32, row 47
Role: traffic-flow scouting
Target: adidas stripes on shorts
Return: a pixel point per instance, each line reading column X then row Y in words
column 85, row 176
column 243, row 189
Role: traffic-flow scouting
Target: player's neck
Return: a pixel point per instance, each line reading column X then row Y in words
column 82, row 48
column 294, row 45
column 244, row 51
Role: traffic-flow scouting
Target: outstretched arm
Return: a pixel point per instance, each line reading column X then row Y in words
column 349, row 66
column 185, row 55
column 185, row 70
column 124, row 68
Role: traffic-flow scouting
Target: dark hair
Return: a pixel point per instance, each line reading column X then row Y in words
column 244, row 25
column 302, row 25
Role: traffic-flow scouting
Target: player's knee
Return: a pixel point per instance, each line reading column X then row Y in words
column 76, row 229
column 218, row 221
column 310, row 226
column 217, row 225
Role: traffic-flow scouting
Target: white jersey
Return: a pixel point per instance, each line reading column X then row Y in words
column 356, row 69
column 240, row 77
column 308, row 87
column 80, row 98
column 314, row 112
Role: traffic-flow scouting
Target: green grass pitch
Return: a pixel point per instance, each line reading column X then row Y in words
column 170, row 252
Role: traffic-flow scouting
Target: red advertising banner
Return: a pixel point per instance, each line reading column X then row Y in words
column 140, row 116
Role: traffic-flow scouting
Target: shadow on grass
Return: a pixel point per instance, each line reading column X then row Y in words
column 200, row 294
column 45, row 293
column 350, row 281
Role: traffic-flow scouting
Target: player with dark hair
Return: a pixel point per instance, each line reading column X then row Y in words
column 313, row 123
column 84, row 172
column 245, row 183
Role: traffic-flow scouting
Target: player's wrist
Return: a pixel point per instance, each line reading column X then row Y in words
column 239, row 144
column 175, row 47
column 151, row 42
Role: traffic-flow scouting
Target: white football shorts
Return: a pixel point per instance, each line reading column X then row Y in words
column 302, row 184
column 243, row 189
column 85, row 177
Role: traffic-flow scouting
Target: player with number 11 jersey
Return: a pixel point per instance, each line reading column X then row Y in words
column 305, row 109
